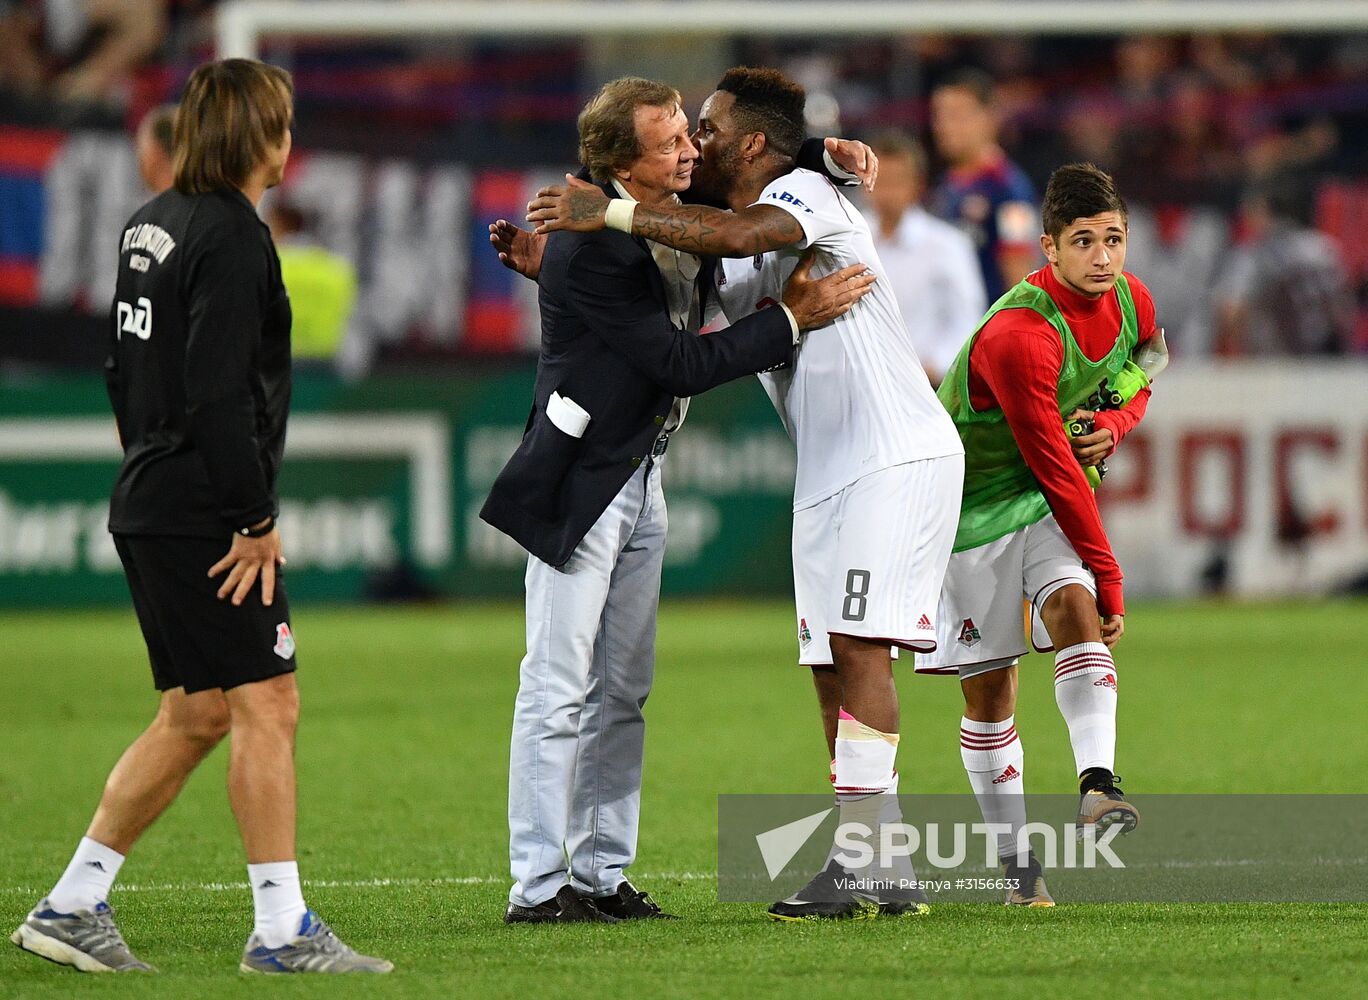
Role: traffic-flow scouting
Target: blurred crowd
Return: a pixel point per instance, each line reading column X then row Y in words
column 1187, row 119
column 1269, row 131
column 96, row 62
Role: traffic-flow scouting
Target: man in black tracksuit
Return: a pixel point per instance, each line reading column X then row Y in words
column 199, row 377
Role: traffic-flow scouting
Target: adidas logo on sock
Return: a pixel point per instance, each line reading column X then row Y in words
column 98, row 866
column 1106, row 682
column 925, row 624
column 268, row 884
column 1007, row 775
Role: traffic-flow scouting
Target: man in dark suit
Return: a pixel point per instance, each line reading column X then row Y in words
column 582, row 494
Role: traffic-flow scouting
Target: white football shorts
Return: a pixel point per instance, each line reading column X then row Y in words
column 869, row 562
column 980, row 617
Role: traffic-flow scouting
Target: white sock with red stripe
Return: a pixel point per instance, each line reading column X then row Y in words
column 1085, row 691
column 996, row 765
column 864, row 772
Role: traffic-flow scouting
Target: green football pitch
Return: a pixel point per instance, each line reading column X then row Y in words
column 403, row 768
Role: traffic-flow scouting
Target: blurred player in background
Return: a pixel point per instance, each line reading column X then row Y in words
column 1029, row 524
column 984, row 193
column 932, row 265
column 879, row 466
column 322, row 286
column 153, row 143
column 1286, row 292
column 199, row 378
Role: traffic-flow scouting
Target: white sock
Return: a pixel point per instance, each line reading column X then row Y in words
column 996, row 764
column 864, row 772
column 1085, row 691
column 87, row 879
column 278, row 901
column 890, row 814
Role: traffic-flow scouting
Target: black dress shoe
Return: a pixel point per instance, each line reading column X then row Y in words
column 565, row 907
column 630, row 903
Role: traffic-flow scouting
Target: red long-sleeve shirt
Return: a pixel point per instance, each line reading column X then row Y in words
column 1015, row 364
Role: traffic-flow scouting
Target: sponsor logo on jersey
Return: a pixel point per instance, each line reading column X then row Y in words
column 1007, row 775
column 924, row 624
column 789, row 199
column 135, row 319
column 758, row 261
column 969, row 633
column 1106, row 682
column 284, row 644
column 804, row 633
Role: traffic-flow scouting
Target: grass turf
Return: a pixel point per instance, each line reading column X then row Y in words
column 403, row 759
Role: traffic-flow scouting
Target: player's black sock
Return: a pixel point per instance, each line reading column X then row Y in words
column 1095, row 777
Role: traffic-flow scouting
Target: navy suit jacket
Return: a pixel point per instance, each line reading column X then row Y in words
column 608, row 344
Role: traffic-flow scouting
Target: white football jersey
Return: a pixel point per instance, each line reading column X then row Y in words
column 855, row 398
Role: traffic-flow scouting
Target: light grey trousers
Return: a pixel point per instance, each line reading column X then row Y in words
column 574, row 771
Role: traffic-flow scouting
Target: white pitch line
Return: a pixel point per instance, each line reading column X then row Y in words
column 368, row 883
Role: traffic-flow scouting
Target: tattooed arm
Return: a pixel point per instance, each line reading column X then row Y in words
column 717, row 233
column 582, row 207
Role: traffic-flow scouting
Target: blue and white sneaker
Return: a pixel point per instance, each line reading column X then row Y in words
column 315, row 949
column 87, row 940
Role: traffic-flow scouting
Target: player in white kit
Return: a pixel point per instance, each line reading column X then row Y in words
column 880, row 466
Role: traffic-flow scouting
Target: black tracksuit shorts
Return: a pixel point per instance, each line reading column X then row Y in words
column 194, row 640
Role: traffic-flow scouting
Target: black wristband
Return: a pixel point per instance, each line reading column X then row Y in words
column 258, row 532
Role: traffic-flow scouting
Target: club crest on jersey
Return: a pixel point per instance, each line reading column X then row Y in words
column 1108, row 681
column 804, row 633
column 969, row 633
column 284, row 645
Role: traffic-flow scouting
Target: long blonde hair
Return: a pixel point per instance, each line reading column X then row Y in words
column 232, row 113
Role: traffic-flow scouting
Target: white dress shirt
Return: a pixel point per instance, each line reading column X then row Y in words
column 679, row 271
column 935, row 276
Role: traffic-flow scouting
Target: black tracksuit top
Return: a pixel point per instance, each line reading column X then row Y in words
column 198, row 370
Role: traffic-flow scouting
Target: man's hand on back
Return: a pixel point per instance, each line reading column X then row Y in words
column 816, row 302
column 518, row 249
